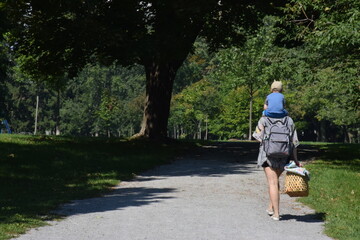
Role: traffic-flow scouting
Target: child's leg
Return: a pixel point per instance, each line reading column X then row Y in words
column 276, row 115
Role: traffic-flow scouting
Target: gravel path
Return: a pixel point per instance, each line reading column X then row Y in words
column 215, row 194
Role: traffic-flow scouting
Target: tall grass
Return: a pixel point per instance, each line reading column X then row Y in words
column 335, row 189
column 39, row 173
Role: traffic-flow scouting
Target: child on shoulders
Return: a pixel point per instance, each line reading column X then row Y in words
column 274, row 106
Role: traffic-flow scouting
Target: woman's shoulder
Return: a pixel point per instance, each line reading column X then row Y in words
column 290, row 120
column 262, row 120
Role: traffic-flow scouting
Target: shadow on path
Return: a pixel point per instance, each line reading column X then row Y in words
column 118, row 199
column 309, row 218
column 215, row 160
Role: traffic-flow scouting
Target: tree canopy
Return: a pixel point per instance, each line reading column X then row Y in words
column 313, row 47
column 54, row 38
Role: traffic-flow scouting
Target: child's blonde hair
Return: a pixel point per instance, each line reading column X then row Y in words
column 276, row 86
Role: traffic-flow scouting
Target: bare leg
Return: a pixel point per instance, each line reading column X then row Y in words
column 270, row 207
column 274, row 193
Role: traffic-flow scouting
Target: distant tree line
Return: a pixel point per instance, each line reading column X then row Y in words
column 218, row 94
column 101, row 101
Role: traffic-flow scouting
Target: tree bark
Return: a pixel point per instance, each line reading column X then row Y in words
column 199, row 130
column 323, row 137
column 206, row 128
column 36, row 114
column 250, row 117
column 159, row 84
column 57, row 112
column 161, row 64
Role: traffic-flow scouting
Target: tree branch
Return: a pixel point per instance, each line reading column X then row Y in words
column 305, row 20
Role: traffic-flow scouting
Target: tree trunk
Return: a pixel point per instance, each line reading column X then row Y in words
column 348, row 136
column 206, row 128
column 159, row 83
column 323, row 137
column 199, row 130
column 250, row 116
column 36, row 114
column 57, row 112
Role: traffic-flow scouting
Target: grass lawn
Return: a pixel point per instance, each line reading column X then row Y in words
column 38, row 173
column 335, row 189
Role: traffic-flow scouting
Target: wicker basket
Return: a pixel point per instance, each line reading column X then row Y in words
column 296, row 185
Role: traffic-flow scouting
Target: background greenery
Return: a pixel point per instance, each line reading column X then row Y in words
column 217, row 94
column 313, row 47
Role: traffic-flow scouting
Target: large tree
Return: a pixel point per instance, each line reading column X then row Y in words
column 57, row 37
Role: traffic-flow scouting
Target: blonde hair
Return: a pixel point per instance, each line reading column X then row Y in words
column 276, row 86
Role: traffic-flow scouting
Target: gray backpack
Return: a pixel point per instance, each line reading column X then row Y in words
column 277, row 143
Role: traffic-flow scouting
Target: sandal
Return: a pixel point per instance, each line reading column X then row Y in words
column 270, row 212
column 275, row 218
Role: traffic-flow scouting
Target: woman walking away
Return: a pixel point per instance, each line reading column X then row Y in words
column 273, row 160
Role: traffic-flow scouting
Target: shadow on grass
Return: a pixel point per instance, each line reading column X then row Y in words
column 38, row 174
column 336, row 155
column 309, row 218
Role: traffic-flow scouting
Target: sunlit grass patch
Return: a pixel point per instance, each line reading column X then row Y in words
column 335, row 189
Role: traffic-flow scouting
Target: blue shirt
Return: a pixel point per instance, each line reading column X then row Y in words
column 275, row 102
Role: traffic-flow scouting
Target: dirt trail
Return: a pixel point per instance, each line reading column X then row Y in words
column 217, row 193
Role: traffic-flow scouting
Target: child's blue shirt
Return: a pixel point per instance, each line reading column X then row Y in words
column 275, row 102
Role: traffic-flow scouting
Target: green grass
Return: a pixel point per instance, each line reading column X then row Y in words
column 335, row 189
column 39, row 173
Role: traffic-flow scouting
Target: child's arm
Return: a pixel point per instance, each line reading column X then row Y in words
column 284, row 102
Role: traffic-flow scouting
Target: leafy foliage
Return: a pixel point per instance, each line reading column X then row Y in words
column 52, row 39
column 320, row 76
column 104, row 101
column 193, row 107
column 127, row 31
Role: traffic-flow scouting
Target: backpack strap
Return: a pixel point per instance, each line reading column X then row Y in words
column 268, row 119
column 278, row 120
column 286, row 121
column 272, row 122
